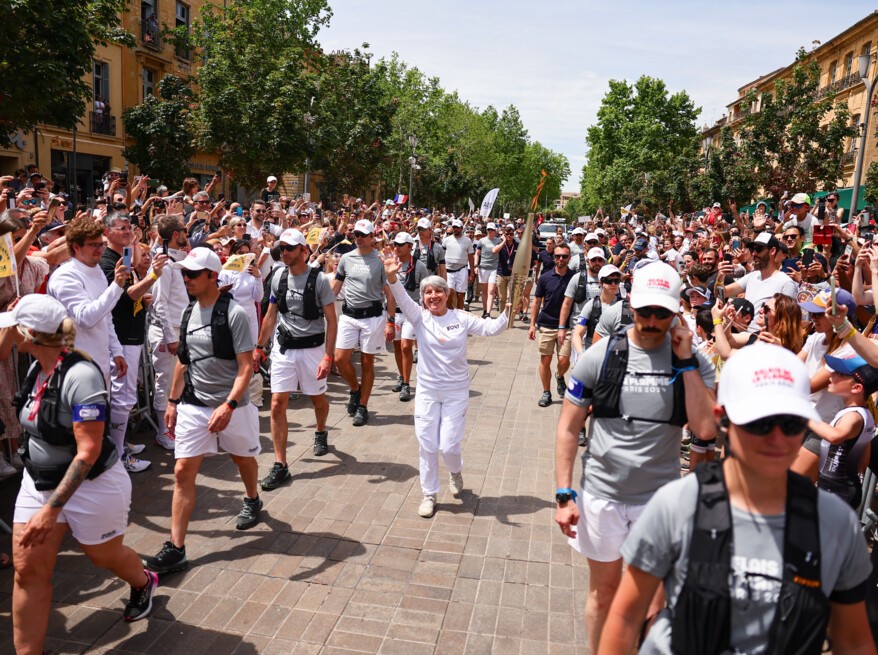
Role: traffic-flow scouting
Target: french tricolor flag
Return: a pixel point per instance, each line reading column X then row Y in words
column 400, row 199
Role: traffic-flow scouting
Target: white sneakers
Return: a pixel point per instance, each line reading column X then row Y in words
column 165, row 440
column 15, row 460
column 456, row 483
column 134, row 465
column 134, row 448
column 427, row 506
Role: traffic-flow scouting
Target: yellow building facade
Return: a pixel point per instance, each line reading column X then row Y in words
column 837, row 59
column 120, row 78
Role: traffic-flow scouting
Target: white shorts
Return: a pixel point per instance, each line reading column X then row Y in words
column 296, row 370
column 403, row 329
column 603, row 527
column 367, row 333
column 487, row 277
column 241, row 436
column 458, row 280
column 96, row 512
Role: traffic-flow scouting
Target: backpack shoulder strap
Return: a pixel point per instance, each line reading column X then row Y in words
column 183, row 350
column 801, row 532
column 597, row 309
column 283, row 285
column 221, row 331
column 616, row 358
column 627, row 316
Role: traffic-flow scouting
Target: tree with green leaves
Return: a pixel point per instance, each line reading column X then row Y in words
column 728, row 173
column 643, row 147
column 47, row 56
column 164, row 139
column 795, row 140
column 258, row 74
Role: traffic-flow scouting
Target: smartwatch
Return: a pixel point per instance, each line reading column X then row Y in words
column 174, row 401
column 564, row 495
column 232, row 403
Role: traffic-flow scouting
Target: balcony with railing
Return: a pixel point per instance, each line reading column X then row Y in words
column 847, row 159
column 102, row 123
column 839, row 85
column 150, row 33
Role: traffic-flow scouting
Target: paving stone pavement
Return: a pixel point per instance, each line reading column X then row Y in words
column 341, row 562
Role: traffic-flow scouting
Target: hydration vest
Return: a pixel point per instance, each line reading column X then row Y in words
column 223, row 344
column 608, row 390
column 312, row 309
column 431, row 258
column 701, row 618
column 52, row 431
column 594, row 317
column 411, row 282
column 581, row 284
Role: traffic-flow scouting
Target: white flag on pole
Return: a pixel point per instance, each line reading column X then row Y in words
column 488, row 203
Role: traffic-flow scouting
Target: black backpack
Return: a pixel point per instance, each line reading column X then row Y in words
column 312, row 309
column 431, row 258
column 220, row 332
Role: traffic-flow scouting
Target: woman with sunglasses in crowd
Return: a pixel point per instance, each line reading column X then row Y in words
column 752, row 558
column 778, row 321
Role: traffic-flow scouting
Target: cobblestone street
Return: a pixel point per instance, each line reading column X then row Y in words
column 341, row 562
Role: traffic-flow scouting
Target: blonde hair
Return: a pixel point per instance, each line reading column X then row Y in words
column 63, row 337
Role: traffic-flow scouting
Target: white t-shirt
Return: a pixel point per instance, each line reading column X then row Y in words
column 758, row 291
column 806, row 224
column 826, row 404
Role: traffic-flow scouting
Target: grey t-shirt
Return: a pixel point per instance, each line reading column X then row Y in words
column 457, row 251
column 585, row 315
column 611, row 321
column 421, row 251
column 489, row 259
column 83, row 399
column 419, row 271
column 212, row 377
column 659, row 545
column 630, row 458
column 363, row 277
column 592, row 290
column 293, row 320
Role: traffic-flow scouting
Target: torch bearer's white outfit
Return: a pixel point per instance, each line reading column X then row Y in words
column 442, row 394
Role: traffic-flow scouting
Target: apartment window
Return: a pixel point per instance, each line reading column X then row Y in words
column 182, row 21
column 101, row 82
column 833, row 71
column 848, row 64
column 855, row 123
column 148, row 83
column 149, row 22
column 867, row 48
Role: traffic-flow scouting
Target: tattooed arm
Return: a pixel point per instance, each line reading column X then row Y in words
column 89, row 436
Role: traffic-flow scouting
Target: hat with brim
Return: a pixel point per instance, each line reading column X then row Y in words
column 765, row 380
column 596, row 253
column 822, row 302
column 200, row 259
column 403, row 237
column 292, row 237
column 856, row 367
column 699, row 291
column 37, row 312
column 364, row 226
column 656, row 285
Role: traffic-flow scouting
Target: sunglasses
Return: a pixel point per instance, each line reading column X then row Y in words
column 287, row 248
column 612, row 280
column 191, row 274
column 202, row 202
column 790, row 237
column 756, row 247
column 661, row 313
column 562, row 256
column 791, row 426
column 257, row 211
column 360, row 235
column 796, row 205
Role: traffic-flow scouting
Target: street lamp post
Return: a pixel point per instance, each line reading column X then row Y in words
column 863, row 62
column 309, row 120
column 413, row 141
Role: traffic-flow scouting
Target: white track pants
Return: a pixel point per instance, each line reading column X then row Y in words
column 123, row 395
column 163, row 362
column 440, row 421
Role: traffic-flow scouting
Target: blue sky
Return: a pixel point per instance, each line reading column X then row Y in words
column 553, row 59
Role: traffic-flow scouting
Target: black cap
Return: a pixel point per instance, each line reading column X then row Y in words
column 743, row 306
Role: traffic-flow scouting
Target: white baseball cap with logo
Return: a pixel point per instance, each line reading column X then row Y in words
column 591, row 236
column 403, row 237
column 765, row 380
column 199, row 259
column 596, row 253
column 271, row 178
column 292, row 237
column 364, row 226
column 607, row 270
column 578, row 230
column 491, row 226
column 424, row 224
column 37, row 312
column 656, row 285
column 456, row 223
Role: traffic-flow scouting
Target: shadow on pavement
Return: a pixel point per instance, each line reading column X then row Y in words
column 349, row 465
column 501, row 507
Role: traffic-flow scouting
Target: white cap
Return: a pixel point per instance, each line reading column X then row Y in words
column 271, row 178
column 389, row 203
column 578, row 230
column 424, row 223
column 765, row 380
column 37, row 312
column 199, row 259
column 293, row 237
column 800, row 199
column 456, row 223
column 600, row 231
column 403, row 237
column 491, row 226
column 607, row 270
column 591, row 236
column 716, row 205
column 656, row 285
column 364, row 226
column 596, row 253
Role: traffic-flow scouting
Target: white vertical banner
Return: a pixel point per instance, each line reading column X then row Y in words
column 488, row 203
column 472, row 205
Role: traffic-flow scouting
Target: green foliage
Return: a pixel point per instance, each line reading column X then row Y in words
column 42, row 68
column 728, row 173
column 162, row 131
column 790, row 142
column 643, row 147
column 871, row 184
column 259, row 73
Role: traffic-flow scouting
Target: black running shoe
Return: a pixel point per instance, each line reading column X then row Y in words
column 545, row 399
column 140, row 604
column 353, row 402
column 583, row 440
column 278, row 474
column 249, row 514
column 561, row 384
column 320, row 447
column 398, row 386
column 168, row 560
column 405, row 393
column 361, row 417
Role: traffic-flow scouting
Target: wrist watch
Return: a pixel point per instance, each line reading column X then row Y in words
column 232, row 403
column 564, row 495
column 174, row 401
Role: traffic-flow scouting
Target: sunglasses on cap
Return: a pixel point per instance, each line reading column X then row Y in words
column 192, row 274
column 790, row 425
column 661, row 313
